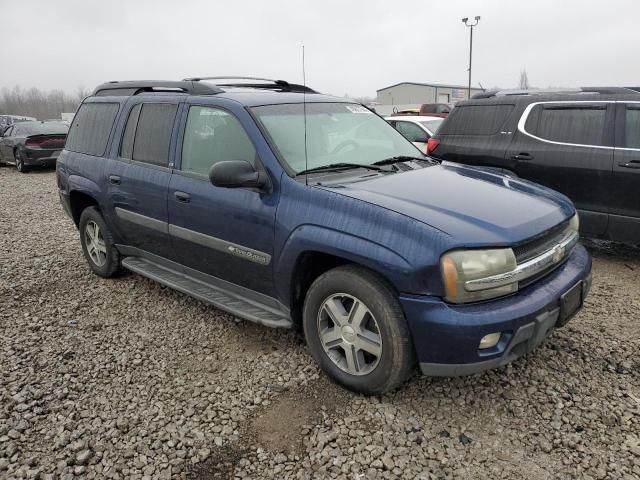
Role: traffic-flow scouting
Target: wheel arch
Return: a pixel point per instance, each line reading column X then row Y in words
column 312, row 251
column 79, row 201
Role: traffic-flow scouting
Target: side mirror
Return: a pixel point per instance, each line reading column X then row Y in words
column 236, row 174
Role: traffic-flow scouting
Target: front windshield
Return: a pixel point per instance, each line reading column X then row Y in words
column 336, row 133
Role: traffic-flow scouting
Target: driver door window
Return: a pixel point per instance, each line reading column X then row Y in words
column 213, row 135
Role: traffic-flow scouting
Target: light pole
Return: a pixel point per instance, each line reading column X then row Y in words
column 470, row 24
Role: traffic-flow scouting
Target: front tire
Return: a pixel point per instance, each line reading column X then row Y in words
column 356, row 330
column 97, row 244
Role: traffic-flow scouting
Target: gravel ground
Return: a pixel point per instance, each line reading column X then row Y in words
column 127, row 379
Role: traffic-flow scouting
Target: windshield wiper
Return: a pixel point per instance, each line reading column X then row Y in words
column 403, row 158
column 337, row 166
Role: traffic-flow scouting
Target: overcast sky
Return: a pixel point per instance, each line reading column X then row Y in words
column 352, row 46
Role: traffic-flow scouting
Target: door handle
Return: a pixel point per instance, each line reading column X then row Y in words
column 522, row 156
column 631, row 164
column 182, row 197
column 114, row 180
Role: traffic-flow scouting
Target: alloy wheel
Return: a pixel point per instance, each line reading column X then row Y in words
column 96, row 248
column 349, row 334
column 19, row 162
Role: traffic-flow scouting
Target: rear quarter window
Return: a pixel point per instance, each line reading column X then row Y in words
column 581, row 125
column 476, row 120
column 91, row 127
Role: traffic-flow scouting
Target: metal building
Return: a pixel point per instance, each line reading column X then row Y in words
column 411, row 93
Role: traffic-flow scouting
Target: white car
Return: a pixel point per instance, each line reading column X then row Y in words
column 416, row 129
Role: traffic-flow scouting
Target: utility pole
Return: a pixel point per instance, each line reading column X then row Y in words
column 470, row 24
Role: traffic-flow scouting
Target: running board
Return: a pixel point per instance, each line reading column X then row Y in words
column 218, row 297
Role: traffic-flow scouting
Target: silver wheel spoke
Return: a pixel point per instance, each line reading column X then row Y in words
column 90, row 233
column 357, row 314
column 369, row 342
column 331, row 337
column 100, row 246
column 353, row 362
column 336, row 311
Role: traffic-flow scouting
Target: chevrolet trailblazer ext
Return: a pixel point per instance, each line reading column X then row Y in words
column 291, row 208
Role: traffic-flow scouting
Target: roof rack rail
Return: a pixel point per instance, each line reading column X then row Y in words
column 269, row 84
column 129, row 88
column 551, row 91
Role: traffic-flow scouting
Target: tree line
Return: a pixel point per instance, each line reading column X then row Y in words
column 40, row 104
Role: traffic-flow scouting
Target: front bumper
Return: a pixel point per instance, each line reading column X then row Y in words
column 446, row 336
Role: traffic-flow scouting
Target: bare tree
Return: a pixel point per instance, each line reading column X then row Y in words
column 39, row 104
column 524, row 80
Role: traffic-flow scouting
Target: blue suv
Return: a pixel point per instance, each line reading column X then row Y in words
column 294, row 209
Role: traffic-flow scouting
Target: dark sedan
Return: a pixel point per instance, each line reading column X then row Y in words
column 32, row 144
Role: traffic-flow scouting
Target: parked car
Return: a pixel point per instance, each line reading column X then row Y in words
column 6, row 120
column 32, row 144
column 417, row 130
column 426, row 109
column 585, row 145
column 294, row 209
column 436, row 109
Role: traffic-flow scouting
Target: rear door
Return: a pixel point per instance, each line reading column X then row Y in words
column 568, row 146
column 138, row 178
column 624, row 195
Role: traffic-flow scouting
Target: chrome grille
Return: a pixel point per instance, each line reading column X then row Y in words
column 535, row 247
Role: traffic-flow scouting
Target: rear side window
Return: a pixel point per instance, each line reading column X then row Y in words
column 579, row 125
column 632, row 128
column 153, row 133
column 211, row 136
column 476, row 120
column 91, row 126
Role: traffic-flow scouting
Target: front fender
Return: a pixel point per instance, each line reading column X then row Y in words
column 313, row 238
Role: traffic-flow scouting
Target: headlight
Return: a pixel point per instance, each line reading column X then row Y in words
column 460, row 266
column 574, row 223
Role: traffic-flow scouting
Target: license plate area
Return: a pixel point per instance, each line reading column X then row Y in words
column 570, row 303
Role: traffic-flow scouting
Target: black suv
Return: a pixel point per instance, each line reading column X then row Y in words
column 585, row 144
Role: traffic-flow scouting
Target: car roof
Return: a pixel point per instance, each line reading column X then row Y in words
column 549, row 97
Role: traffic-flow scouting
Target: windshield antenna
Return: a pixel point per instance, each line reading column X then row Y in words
column 304, row 114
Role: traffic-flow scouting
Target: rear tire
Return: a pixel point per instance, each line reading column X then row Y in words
column 356, row 330
column 97, row 244
column 20, row 166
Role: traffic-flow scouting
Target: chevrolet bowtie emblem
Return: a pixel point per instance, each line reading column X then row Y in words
column 558, row 253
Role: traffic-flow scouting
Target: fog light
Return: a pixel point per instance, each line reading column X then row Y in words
column 490, row 340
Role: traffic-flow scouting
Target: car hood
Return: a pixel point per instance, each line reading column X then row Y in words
column 475, row 207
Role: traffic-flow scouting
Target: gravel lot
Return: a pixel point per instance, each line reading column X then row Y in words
column 127, row 379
